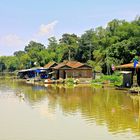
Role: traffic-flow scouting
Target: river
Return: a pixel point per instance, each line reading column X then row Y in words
column 31, row 112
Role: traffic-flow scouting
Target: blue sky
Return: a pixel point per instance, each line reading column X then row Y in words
column 25, row 20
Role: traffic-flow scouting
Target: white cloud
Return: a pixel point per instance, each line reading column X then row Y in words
column 10, row 43
column 47, row 29
column 11, row 40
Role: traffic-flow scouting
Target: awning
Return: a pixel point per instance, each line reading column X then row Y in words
column 125, row 72
column 51, row 72
column 126, row 66
column 34, row 69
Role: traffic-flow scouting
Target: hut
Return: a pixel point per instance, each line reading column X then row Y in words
column 127, row 79
column 131, row 74
column 72, row 69
column 32, row 73
column 49, row 67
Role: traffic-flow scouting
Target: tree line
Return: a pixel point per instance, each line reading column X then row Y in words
column 102, row 47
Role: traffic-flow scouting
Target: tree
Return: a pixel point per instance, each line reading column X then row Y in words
column 19, row 53
column 70, row 43
column 87, row 44
column 11, row 63
column 34, row 46
column 33, row 50
column 101, row 47
column 53, row 44
column 2, row 63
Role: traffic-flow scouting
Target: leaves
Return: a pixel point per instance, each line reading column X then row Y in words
column 118, row 43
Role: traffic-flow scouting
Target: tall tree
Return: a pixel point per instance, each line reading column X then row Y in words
column 70, row 41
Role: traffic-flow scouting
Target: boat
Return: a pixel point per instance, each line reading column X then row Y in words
column 120, row 88
column 134, row 90
column 32, row 80
column 49, row 81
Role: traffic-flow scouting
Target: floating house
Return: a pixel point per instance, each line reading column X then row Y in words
column 72, row 69
column 32, row 73
column 52, row 70
column 131, row 75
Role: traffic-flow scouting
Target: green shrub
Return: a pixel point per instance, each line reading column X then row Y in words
column 69, row 81
column 97, row 81
column 116, row 79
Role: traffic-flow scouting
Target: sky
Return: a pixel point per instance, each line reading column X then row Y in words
column 24, row 20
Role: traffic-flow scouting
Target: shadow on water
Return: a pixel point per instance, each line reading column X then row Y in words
column 117, row 110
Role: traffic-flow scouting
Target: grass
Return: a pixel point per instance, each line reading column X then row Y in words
column 115, row 79
column 69, row 81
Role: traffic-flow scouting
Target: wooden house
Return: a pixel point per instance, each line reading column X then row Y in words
column 72, row 69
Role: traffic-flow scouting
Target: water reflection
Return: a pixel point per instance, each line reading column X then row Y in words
column 117, row 110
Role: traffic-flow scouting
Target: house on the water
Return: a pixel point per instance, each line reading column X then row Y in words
column 72, row 69
column 49, row 68
column 52, row 70
column 130, row 74
column 32, row 73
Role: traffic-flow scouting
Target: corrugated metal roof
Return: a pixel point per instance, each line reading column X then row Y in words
column 50, row 64
column 130, row 65
column 59, row 65
column 74, row 64
column 71, row 64
column 125, row 72
column 33, row 69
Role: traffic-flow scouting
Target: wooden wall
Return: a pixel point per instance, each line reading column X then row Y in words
column 75, row 73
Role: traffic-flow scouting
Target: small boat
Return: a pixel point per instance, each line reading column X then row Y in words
column 134, row 90
column 32, row 80
column 120, row 88
column 29, row 80
column 49, row 81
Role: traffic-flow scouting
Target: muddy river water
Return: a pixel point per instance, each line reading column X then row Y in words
column 31, row 112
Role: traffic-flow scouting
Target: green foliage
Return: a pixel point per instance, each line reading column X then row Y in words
column 115, row 79
column 2, row 63
column 69, row 81
column 136, row 58
column 100, row 80
column 111, row 78
column 19, row 53
column 9, row 63
column 101, row 48
column 95, row 66
column 86, row 46
column 34, row 46
column 70, row 44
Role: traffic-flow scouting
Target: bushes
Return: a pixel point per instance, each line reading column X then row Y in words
column 116, row 79
column 69, row 81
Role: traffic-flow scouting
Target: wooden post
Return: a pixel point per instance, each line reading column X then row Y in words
column 135, row 84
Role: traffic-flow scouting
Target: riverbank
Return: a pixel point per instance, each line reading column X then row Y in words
column 103, row 81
